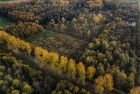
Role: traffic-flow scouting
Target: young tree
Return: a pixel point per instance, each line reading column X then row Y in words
column 108, row 85
column 81, row 72
column 15, row 92
column 104, row 83
column 100, row 69
column 71, row 69
column 135, row 90
column 27, row 89
column 63, row 64
column 90, row 72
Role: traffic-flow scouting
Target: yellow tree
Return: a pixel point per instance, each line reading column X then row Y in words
column 90, row 72
column 81, row 72
column 63, row 64
column 109, row 82
column 71, row 69
column 38, row 51
column 38, row 56
column 41, row 56
column 97, row 18
column 99, row 82
column 135, row 90
column 53, row 57
column 104, row 83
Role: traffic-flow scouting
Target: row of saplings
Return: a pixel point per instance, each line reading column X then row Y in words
column 60, row 65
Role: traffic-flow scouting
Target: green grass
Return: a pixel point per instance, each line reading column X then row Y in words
column 5, row 22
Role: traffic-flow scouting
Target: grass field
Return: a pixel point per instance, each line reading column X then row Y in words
column 5, row 22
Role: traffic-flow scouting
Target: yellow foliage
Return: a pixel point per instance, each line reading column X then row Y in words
column 104, row 83
column 71, row 69
column 63, row 63
column 135, row 90
column 90, row 72
column 53, row 57
column 95, row 3
column 15, row 43
column 99, row 89
column 109, row 82
column 97, row 18
column 81, row 72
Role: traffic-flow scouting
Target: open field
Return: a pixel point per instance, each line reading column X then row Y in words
column 5, row 22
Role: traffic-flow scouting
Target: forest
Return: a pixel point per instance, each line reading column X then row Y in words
column 69, row 47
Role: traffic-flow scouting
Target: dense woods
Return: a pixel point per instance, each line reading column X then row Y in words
column 70, row 47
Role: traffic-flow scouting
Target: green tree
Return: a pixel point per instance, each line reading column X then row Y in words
column 15, row 92
column 27, row 89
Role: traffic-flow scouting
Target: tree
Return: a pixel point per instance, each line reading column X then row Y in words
column 15, row 43
column 67, row 92
column 96, row 19
column 135, row 90
column 27, row 89
column 25, row 30
column 89, row 60
column 71, row 69
column 16, row 83
column 100, row 69
column 130, row 82
column 104, row 83
column 91, row 46
column 53, row 57
column 15, row 92
column 95, row 3
column 99, row 83
column 105, row 45
column 62, row 27
column 90, row 72
column 76, row 90
column 109, row 82
column 63, row 64
column 120, row 78
column 81, row 72
column 99, row 89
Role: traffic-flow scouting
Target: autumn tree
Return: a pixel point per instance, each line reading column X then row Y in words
column 81, row 72
column 95, row 3
column 63, row 64
column 135, row 90
column 104, row 83
column 90, row 72
column 71, row 71
column 97, row 18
